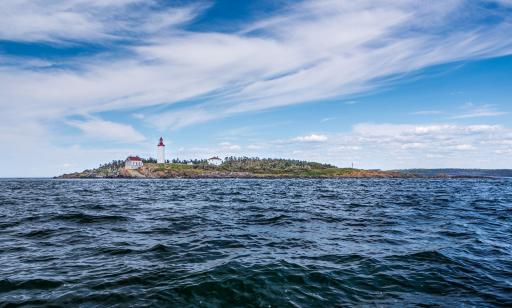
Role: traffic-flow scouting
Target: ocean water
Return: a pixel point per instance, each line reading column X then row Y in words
column 284, row 243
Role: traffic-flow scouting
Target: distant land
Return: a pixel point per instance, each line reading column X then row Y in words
column 231, row 167
column 453, row 172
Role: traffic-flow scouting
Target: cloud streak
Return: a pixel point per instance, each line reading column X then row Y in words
column 62, row 22
column 304, row 54
column 475, row 111
column 311, row 138
column 106, row 130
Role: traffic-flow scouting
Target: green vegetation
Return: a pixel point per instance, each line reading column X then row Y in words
column 285, row 167
column 231, row 167
column 253, row 166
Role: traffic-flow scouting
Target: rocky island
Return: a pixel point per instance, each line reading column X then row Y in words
column 231, row 167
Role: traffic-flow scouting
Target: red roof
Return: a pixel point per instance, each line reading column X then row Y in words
column 161, row 144
column 134, row 158
column 214, row 158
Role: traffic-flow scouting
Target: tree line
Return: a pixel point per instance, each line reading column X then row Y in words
column 235, row 163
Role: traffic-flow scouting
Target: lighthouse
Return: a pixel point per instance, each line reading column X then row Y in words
column 161, row 152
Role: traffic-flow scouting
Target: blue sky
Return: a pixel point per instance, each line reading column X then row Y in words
column 381, row 84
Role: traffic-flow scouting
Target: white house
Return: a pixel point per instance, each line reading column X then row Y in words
column 214, row 161
column 160, row 154
column 133, row 162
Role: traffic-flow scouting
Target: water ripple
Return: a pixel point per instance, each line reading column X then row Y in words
column 281, row 242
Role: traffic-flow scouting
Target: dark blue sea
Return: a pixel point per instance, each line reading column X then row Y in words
column 277, row 243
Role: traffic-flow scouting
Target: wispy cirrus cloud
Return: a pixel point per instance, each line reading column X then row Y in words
column 61, row 21
column 277, row 61
column 107, row 130
column 427, row 112
column 506, row 3
column 311, row 138
column 479, row 111
column 327, row 119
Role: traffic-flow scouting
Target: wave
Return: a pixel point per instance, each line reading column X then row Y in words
column 7, row 285
column 84, row 218
column 297, row 243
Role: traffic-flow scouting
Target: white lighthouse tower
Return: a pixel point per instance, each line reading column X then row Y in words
column 160, row 152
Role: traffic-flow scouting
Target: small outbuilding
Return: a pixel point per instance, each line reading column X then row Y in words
column 214, row 161
column 133, row 162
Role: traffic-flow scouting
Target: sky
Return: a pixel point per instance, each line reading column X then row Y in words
column 380, row 84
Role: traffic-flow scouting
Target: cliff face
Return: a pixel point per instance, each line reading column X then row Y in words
column 165, row 171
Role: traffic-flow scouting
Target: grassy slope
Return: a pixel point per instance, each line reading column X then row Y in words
column 258, row 170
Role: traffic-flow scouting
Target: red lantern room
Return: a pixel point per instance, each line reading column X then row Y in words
column 161, row 143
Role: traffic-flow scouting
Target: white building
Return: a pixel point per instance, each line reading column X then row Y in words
column 133, row 162
column 214, row 161
column 160, row 154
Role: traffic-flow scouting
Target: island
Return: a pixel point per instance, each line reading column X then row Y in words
column 230, row 167
column 460, row 173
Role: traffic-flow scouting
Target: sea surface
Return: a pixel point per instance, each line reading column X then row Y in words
column 278, row 243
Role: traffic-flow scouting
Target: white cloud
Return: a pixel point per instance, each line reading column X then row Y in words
column 400, row 146
column 106, row 130
column 413, row 145
column 349, row 147
column 502, row 2
column 61, row 21
column 503, row 152
column 475, row 111
column 326, row 120
column 255, row 147
column 286, row 62
column 413, row 130
column 391, row 146
column 311, row 138
column 463, row 147
column 182, row 118
column 227, row 146
column 427, row 112
column 441, row 145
